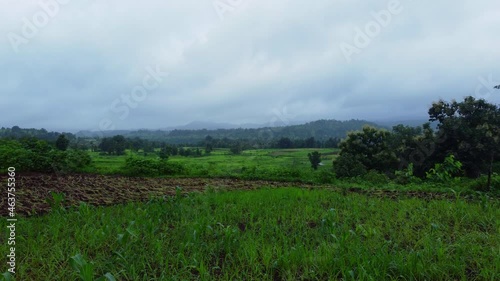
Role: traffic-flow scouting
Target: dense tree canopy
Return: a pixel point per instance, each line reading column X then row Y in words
column 371, row 148
column 62, row 142
column 470, row 130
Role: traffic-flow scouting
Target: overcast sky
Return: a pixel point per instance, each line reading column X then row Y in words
column 90, row 65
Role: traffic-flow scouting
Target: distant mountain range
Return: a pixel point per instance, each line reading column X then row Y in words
column 197, row 131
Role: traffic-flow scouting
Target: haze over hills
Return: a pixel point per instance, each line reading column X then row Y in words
column 196, row 131
column 200, row 125
column 214, row 126
column 320, row 129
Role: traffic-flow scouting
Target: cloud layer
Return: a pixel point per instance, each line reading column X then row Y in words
column 240, row 61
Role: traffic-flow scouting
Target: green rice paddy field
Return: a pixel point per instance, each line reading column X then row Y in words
column 264, row 234
column 221, row 221
column 268, row 164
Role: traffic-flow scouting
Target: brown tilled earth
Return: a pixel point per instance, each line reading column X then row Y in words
column 33, row 190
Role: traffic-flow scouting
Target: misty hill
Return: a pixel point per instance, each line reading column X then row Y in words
column 321, row 130
column 200, row 125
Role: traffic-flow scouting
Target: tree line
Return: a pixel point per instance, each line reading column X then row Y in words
column 29, row 154
column 117, row 145
column 465, row 143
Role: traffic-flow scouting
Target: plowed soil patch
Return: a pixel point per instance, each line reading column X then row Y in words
column 32, row 191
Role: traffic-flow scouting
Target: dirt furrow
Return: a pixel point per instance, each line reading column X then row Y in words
column 33, row 190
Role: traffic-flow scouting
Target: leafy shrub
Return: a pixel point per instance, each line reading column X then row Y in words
column 169, row 168
column 325, row 176
column 66, row 161
column 85, row 270
column 150, row 168
column 31, row 155
column 406, row 176
column 496, row 167
column 315, row 159
column 347, row 166
column 282, row 173
column 249, row 173
column 13, row 154
column 375, row 177
column 481, row 183
column 78, row 159
column 236, row 149
column 445, row 171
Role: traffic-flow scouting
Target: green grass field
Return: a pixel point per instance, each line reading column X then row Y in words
column 267, row 234
column 292, row 164
column 366, row 228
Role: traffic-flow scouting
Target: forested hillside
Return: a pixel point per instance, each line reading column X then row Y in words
column 321, row 130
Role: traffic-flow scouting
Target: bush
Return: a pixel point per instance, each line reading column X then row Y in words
column 347, row 166
column 236, row 149
column 282, row 173
column 168, row 168
column 140, row 167
column 32, row 155
column 445, row 171
column 12, row 154
column 375, row 177
column 315, row 159
column 325, row 176
column 249, row 173
column 78, row 158
column 480, row 184
column 406, row 176
column 496, row 167
column 150, row 168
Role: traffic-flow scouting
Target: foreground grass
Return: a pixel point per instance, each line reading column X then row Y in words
column 267, row 234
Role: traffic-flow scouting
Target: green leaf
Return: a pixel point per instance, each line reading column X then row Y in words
column 7, row 276
column 108, row 276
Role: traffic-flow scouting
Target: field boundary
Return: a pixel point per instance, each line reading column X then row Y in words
column 35, row 190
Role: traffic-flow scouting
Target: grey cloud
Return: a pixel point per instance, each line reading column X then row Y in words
column 264, row 56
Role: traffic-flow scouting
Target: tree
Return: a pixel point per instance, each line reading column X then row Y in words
column 62, row 142
column 406, row 142
column 209, row 146
column 315, row 159
column 175, row 150
column 119, row 144
column 285, row 143
column 106, row 145
column 236, row 148
column 332, row 143
column 348, row 166
column 164, row 153
column 371, row 148
column 310, row 142
column 470, row 130
column 136, row 144
column 116, row 145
